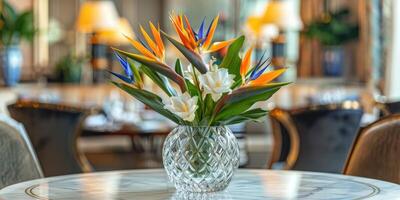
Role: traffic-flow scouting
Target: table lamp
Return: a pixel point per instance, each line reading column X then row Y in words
column 260, row 33
column 254, row 23
column 281, row 13
column 117, row 36
column 95, row 17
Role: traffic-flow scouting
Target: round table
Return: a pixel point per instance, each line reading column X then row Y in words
column 246, row 184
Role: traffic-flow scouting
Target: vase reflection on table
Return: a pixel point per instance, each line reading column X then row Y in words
column 179, row 195
column 201, row 154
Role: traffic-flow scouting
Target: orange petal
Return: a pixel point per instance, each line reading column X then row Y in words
column 157, row 38
column 210, row 35
column 190, row 33
column 183, row 37
column 180, row 21
column 137, row 55
column 177, row 20
column 150, row 42
column 219, row 45
column 190, row 30
column 141, row 48
column 244, row 67
column 267, row 77
column 179, row 31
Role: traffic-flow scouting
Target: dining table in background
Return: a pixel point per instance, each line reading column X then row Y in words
column 298, row 94
column 246, row 184
column 152, row 132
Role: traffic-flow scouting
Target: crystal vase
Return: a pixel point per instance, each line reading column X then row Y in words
column 200, row 159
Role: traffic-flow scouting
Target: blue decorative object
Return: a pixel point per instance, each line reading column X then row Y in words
column 11, row 61
column 333, row 62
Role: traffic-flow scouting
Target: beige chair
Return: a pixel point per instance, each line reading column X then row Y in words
column 18, row 161
column 376, row 150
column 54, row 130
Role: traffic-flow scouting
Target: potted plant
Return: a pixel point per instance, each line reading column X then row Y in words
column 201, row 153
column 69, row 68
column 333, row 30
column 14, row 27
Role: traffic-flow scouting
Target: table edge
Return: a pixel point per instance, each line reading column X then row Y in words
column 158, row 170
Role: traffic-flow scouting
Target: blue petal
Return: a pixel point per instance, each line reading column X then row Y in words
column 201, row 29
column 258, row 74
column 196, row 36
column 259, row 61
column 124, row 78
column 255, row 73
column 124, row 64
column 208, row 31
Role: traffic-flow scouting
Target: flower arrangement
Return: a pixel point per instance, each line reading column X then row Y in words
column 204, row 93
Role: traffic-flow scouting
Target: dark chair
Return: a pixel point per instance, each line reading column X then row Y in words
column 388, row 108
column 18, row 161
column 375, row 152
column 53, row 130
column 315, row 138
column 280, row 122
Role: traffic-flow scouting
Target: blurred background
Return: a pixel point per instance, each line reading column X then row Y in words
column 55, row 55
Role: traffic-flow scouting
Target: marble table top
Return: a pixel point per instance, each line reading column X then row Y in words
column 246, row 184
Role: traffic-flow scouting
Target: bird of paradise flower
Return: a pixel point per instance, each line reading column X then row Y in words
column 251, row 83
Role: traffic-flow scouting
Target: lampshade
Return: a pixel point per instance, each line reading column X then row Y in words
column 254, row 23
column 116, row 36
column 97, row 16
column 282, row 13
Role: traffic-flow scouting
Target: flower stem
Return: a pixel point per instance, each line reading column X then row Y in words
column 201, row 102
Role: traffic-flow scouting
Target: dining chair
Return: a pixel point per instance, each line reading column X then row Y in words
column 375, row 152
column 315, row 138
column 18, row 161
column 53, row 130
column 388, row 108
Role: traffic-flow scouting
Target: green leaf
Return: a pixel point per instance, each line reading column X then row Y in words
column 158, row 67
column 8, row 12
column 136, row 74
column 14, row 25
column 252, row 114
column 192, row 57
column 168, row 85
column 242, row 99
column 209, row 105
column 24, row 26
column 192, row 89
column 178, row 67
column 232, row 60
column 151, row 100
column 208, row 111
column 159, row 80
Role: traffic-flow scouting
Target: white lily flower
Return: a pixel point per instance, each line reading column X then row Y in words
column 216, row 82
column 182, row 105
column 189, row 74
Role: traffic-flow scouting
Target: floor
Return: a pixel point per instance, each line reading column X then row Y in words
column 116, row 153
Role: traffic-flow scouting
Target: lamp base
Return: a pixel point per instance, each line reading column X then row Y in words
column 278, row 51
column 99, row 62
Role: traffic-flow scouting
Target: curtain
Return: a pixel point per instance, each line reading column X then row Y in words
column 310, row 49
